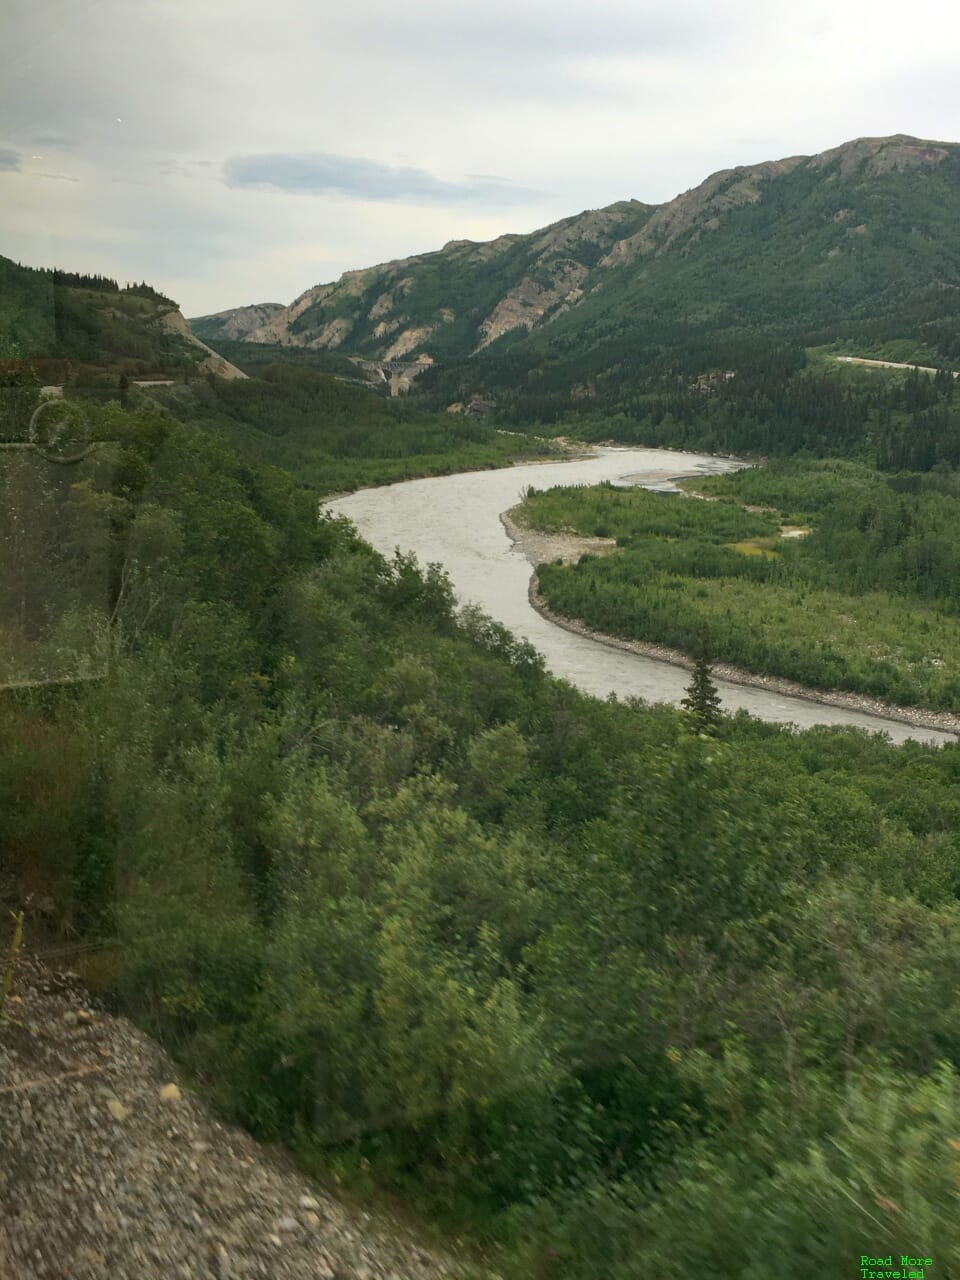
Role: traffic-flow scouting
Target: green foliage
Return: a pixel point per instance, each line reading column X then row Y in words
column 633, row 515
column 254, row 357
column 67, row 316
column 866, row 602
column 334, row 436
column 702, row 699
column 570, row 979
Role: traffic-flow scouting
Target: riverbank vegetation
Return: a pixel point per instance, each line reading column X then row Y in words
column 334, row 436
column 865, row 602
column 577, row 982
column 745, row 393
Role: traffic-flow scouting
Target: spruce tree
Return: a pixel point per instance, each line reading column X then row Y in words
column 702, row 700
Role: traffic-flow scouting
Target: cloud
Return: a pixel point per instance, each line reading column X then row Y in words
column 319, row 173
column 53, row 141
column 546, row 31
column 9, row 160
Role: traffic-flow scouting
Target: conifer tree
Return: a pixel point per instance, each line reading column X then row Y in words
column 702, row 700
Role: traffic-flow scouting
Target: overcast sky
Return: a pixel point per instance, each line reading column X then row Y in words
column 240, row 152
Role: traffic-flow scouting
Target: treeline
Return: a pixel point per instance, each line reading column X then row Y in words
column 334, row 436
column 101, row 284
column 252, row 357
column 80, row 280
column 575, row 982
column 57, row 316
column 144, row 290
column 744, row 392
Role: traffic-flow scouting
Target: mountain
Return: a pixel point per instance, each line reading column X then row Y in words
column 864, row 238
column 89, row 320
column 235, row 325
column 448, row 303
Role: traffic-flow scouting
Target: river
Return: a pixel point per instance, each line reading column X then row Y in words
column 455, row 522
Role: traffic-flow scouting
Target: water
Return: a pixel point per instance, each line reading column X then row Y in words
column 455, row 522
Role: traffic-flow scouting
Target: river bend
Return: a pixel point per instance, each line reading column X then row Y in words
column 455, row 522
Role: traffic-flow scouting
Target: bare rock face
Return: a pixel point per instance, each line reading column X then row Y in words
column 238, row 324
column 174, row 322
column 459, row 300
column 527, row 304
column 408, row 341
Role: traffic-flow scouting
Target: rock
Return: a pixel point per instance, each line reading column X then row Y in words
column 84, row 1016
column 219, row 1259
column 170, row 1093
column 146, row 1192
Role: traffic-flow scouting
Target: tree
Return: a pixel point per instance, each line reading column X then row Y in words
column 702, row 700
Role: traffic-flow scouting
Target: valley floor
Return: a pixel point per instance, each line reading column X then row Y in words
column 541, row 548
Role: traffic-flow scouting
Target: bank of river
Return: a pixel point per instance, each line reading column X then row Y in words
column 455, row 521
column 543, row 548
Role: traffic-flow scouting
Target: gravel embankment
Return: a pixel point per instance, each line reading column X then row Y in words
column 112, row 1170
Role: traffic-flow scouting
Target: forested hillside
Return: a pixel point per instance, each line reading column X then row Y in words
column 60, row 318
column 856, row 247
column 565, row 976
column 334, row 436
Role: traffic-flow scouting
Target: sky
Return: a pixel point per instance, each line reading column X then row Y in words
column 241, row 152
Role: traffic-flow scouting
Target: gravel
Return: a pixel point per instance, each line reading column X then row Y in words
column 111, row 1169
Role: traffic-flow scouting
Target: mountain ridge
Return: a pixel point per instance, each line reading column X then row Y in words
column 458, row 301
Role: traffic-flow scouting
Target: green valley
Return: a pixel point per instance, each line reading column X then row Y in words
column 566, row 977
column 558, row 977
column 866, row 602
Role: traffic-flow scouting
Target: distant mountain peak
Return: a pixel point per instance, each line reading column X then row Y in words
column 882, row 155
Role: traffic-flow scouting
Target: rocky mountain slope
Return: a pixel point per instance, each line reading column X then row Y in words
column 456, row 301
column 804, row 242
column 239, row 323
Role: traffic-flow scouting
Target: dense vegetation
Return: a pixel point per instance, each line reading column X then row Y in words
column 564, row 973
column 335, row 436
column 252, row 357
column 66, row 316
column 744, row 394
column 867, row 602
column 572, row 978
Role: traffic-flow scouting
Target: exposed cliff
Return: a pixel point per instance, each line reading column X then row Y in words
column 806, row 238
